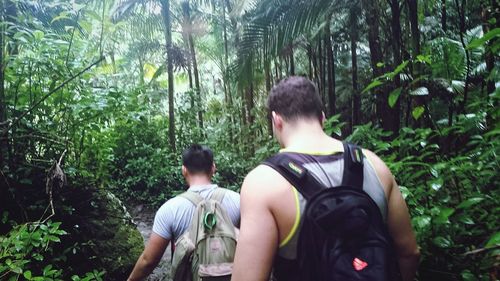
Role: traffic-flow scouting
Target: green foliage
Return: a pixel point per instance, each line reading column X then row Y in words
column 448, row 179
column 25, row 249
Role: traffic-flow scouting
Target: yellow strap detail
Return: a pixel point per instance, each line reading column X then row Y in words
column 297, row 219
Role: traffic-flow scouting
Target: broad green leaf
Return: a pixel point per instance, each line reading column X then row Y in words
column 375, row 83
column 400, row 68
column 27, row 274
column 470, row 202
column 494, row 240
column 417, row 112
column 442, row 242
column 443, row 216
column 480, row 41
column 394, row 96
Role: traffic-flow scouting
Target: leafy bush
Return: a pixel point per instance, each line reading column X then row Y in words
column 448, row 178
column 26, row 253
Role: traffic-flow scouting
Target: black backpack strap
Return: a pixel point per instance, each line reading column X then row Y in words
column 295, row 173
column 353, row 166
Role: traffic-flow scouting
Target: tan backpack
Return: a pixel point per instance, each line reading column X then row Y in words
column 206, row 250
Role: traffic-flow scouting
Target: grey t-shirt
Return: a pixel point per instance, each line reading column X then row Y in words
column 174, row 216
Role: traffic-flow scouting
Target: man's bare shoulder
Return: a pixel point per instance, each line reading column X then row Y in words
column 383, row 172
column 264, row 179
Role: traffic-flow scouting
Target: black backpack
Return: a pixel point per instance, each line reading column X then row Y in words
column 343, row 236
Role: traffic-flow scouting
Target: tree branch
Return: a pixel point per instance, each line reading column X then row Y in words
column 51, row 92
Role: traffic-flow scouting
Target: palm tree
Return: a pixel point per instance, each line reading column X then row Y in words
column 125, row 8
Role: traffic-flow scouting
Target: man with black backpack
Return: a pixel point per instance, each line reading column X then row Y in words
column 201, row 221
column 320, row 209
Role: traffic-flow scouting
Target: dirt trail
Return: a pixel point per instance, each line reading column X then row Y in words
column 143, row 218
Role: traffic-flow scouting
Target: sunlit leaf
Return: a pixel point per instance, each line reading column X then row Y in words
column 480, row 41
column 394, row 96
column 417, row 112
column 421, row 91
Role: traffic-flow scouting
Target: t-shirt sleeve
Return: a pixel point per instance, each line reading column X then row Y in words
column 232, row 203
column 163, row 221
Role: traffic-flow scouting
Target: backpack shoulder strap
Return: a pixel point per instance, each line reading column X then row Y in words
column 194, row 197
column 353, row 166
column 218, row 194
column 295, row 173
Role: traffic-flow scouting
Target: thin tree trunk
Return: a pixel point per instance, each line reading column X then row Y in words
column 309, row 60
column 443, row 16
column 322, row 71
column 489, row 56
column 415, row 33
column 267, row 73
column 251, row 118
column 315, row 68
column 197, row 88
column 186, row 28
column 330, row 70
column 376, row 55
column 292, row 62
column 3, row 106
column 356, row 99
column 227, row 84
column 170, row 72
column 396, row 49
column 461, row 15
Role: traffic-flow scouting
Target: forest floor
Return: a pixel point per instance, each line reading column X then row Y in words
column 143, row 218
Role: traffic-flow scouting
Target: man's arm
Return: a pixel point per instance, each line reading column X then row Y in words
column 398, row 220
column 258, row 238
column 149, row 258
column 402, row 234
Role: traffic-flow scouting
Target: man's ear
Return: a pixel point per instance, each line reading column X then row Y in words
column 323, row 118
column 277, row 120
column 214, row 168
column 184, row 171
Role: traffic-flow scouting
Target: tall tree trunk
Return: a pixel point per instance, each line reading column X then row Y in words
column 3, row 106
column 197, row 88
column 396, row 50
column 186, row 29
column 141, row 71
column 322, row 75
column 443, row 16
column 267, row 73
column 292, row 62
column 309, row 62
column 249, row 104
column 227, row 84
column 356, row 98
column 489, row 56
column 463, row 29
column 330, row 70
column 170, row 71
column 415, row 33
column 372, row 21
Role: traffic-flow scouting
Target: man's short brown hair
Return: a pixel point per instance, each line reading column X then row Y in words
column 295, row 97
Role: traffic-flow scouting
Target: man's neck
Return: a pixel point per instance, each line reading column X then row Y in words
column 306, row 136
column 198, row 180
column 302, row 134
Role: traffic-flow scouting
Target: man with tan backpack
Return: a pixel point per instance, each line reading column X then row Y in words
column 201, row 222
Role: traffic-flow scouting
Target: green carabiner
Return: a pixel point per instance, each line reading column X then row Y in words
column 210, row 220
